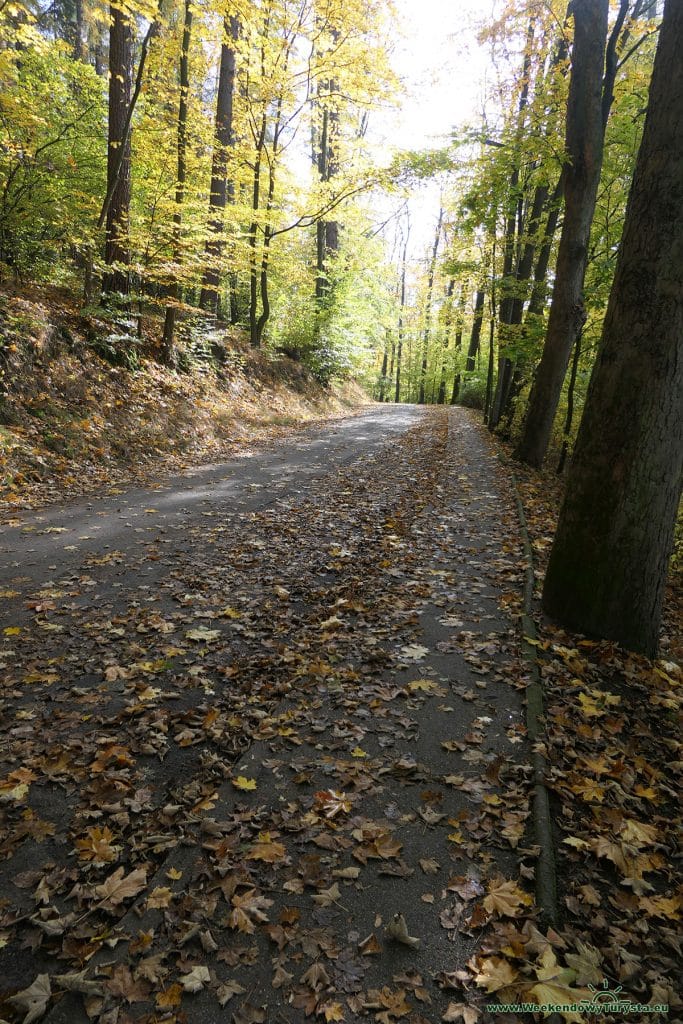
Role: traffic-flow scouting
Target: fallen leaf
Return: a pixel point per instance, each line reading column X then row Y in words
column 33, row 999
column 242, row 783
column 117, row 887
column 196, row 979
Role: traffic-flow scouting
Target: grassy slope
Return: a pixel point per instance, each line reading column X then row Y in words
column 71, row 423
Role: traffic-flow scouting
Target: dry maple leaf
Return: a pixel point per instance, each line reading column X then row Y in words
column 280, row 977
column 170, row 997
column 326, row 897
column 266, row 849
column 332, row 1012
column 506, row 898
column 248, row 910
column 117, row 887
column 461, row 1011
column 225, row 992
column 331, row 803
column 196, row 979
column 79, row 983
column 586, row 963
column 159, row 898
column 97, row 846
column 395, row 1003
column 249, row 1014
column 551, row 992
column 201, row 634
column 240, row 782
column 494, row 973
column 33, row 999
column 316, row 977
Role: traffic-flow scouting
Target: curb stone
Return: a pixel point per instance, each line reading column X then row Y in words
column 546, row 869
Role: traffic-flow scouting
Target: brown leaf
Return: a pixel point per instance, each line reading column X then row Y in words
column 494, row 973
column 33, row 999
column 170, row 997
column 316, row 977
column 117, row 887
column 461, row 1011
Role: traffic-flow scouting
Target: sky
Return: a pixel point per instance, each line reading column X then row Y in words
column 443, row 68
column 441, row 64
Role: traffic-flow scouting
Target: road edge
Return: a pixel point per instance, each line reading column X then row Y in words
column 546, row 868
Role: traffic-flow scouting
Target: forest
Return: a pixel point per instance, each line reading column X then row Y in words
column 366, row 424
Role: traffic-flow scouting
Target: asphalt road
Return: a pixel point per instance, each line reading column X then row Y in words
column 331, row 621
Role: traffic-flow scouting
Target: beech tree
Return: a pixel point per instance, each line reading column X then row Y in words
column 222, row 187
column 117, row 251
column 609, row 559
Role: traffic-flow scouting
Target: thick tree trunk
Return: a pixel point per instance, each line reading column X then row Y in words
column 585, row 135
column 221, row 190
column 117, row 249
column 174, row 291
column 609, row 559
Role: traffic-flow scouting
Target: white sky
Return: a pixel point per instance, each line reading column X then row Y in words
column 443, row 67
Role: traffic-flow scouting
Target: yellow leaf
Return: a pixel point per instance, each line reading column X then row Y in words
column 506, row 898
column 12, row 630
column 549, row 992
column 494, row 974
column 358, row 752
column 332, row 1011
column 266, row 850
column 229, row 613
column 159, row 898
column 242, row 783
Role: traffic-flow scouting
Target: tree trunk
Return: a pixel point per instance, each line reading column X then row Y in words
column 609, row 560
column 458, row 346
column 488, row 400
column 570, row 407
column 326, row 159
column 174, row 291
column 428, row 308
column 118, row 153
column 253, row 233
column 475, row 337
column 584, row 144
column 441, row 398
column 399, row 347
column 221, row 189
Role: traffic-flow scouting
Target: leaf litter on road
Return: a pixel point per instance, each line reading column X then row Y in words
column 379, row 760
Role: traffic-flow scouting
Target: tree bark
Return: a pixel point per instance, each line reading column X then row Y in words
column 117, row 249
column 441, row 398
column 609, row 560
column 399, row 337
column 584, row 145
column 475, row 337
column 221, row 188
column 428, row 308
column 166, row 354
